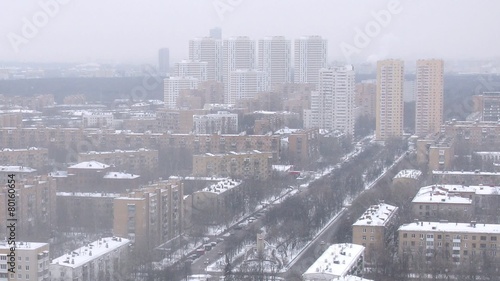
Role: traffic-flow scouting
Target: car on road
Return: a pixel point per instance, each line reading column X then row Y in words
column 213, row 243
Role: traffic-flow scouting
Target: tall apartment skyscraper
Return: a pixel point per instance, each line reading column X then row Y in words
column 275, row 59
column 216, row 33
column 429, row 90
column 208, row 50
column 172, row 87
column 310, row 56
column 189, row 68
column 389, row 107
column 163, row 61
column 245, row 84
column 238, row 53
column 332, row 104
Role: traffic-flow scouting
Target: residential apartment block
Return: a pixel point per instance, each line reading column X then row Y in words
column 375, row 230
column 458, row 241
column 138, row 161
column 430, row 91
column 274, row 58
column 338, row 261
column 389, row 107
column 32, row 261
column 151, row 215
column 311, row 54
column 254, row 164
column 332, row 104
column 34, row 157
column 104, row 259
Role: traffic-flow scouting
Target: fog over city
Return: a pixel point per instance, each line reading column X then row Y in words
column 116, row 32
column 249, row 140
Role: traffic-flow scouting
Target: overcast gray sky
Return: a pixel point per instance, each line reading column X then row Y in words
column 123, row 31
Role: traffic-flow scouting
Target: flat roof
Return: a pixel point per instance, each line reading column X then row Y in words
column 17, row 169
column 440, row 195
column 410, row 174
column 88, row 194
column 22, row 245
column 91, row 165
column 119, row 175
column 90, row 252
column 425, row 226
column 336, row 261
column 221, row 186
column 379, row 215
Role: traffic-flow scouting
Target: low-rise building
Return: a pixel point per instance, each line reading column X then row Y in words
column 338, row 261
column 31, row 157
column 85, row 212
column 375, row 230
column 210, row 203
column 466, row 177
column 438, row 203
column 220, row 123
column 31, row 261
column 254, row 164
column 436, row 151
column 409, row 177
column 459, row 241
column 104, row 259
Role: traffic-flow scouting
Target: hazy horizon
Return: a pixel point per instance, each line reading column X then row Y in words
column 131, row 33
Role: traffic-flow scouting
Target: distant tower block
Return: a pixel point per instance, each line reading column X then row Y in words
column 164, row 61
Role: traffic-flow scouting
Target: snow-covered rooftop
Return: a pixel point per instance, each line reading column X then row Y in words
column 467, row 173
column 94, row 165
column 409, row 174
column 222, row 186
column 22, row 245
column 16, row 169
column 451, row 227
column 379, row 215
column 90, row 252
column 120, row 175
column 282, row 168
column 336, row 261
column 59, row 174
column 438, row 194
column 115, row 151
column 88, row 194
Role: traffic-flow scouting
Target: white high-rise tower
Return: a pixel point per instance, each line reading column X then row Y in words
column 310, row 56
column 275, row 59
column 332, row 104
column 238, row 53
column 208, row 50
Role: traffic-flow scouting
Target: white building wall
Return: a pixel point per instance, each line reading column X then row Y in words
column 172, row 87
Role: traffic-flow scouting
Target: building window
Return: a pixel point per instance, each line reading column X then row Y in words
column 483, row 238
column 405, row 235
column 372, row 238
column 440, row 236
column 364, row 230
column 493, row 238
column 364, row 237
column 413, row 235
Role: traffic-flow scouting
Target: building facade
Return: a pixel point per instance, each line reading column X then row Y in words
column 275, row 57
column 172, row 87
column 375, row 230
column 104, row 259
column 389, row 107
column 332, row 105
column 237, row 53
column 311, row 54
column 32, row 261
column 429, row 90
column 245, row 165
column 245, row 84
column 191, row 68
column 209, row 50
